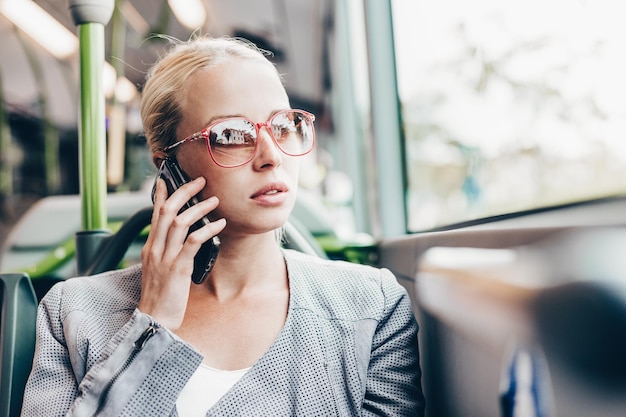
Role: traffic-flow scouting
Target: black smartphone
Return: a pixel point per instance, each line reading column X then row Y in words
column 175, row 177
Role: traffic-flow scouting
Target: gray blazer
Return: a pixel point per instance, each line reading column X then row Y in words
column 348, row 348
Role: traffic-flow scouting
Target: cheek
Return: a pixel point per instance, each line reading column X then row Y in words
column 196, row 162
column 217, row 186
column 193, row 154
column 232, row 202
column 294, row 174
column 292, row 167
column 226, row 185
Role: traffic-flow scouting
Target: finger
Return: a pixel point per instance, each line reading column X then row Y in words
column 197, row 211
column 184, row 193
column 196, row 239
column 170, row 230
column 207, row 231
column 160, row 195
column 182, row 225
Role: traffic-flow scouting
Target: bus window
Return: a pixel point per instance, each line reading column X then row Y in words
column 509, row 106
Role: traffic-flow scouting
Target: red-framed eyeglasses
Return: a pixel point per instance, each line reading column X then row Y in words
column 233, row 141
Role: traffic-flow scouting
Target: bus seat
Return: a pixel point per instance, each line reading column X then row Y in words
column 582, row 324
column 541, row 327
column 113, row 249
column 18, row 313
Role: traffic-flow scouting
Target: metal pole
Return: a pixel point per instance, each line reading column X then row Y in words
column 92, row 129
column 386, row 120
column 91, row 16
column 354, row 151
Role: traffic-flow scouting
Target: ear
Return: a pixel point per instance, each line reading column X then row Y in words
column 157, row 158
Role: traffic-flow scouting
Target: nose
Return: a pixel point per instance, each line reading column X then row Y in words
column 268, row 154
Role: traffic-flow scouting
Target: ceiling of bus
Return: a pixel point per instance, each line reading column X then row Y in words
column 294, row 30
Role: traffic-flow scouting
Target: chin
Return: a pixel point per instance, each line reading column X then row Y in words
column 256, row 224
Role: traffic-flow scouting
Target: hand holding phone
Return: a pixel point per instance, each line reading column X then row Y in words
column 204, row 260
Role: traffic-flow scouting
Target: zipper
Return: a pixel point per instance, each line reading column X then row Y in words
column 139, row 344
column 147, row 334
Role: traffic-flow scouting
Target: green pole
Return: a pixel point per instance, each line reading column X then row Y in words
column 92, row 127
column 91, row 16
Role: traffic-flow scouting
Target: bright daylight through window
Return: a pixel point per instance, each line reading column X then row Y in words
column 509, row 106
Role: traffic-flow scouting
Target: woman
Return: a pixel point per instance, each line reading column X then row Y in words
column 270, row 332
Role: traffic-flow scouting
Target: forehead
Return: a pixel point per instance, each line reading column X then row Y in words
column 232, row 71
column 234, row 87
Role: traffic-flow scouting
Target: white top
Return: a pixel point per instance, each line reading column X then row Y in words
column 205, row 387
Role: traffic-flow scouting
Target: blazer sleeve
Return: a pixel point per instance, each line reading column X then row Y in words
column 142, row 361
column 393, row 386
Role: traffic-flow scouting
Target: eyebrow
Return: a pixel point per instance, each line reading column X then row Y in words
column 238, row 115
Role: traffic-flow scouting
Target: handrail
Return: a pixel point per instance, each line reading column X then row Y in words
column 113, row 249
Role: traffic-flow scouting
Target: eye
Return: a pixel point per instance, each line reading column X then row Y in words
column 284, row 126
column 232, row 137
column 233, row 132
column 283, row 130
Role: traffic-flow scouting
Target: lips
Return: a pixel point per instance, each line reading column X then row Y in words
column 270, row 190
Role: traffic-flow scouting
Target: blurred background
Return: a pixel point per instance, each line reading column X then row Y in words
column 39, row 83
column 442, row 126
column 503, row 107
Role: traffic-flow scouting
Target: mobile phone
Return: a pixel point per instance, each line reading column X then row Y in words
column 174, row 178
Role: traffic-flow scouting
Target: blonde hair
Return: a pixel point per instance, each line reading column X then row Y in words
column 162, row 96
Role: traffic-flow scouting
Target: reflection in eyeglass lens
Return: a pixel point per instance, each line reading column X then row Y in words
column 233, row 132
column 234, row 141
column 288, row 131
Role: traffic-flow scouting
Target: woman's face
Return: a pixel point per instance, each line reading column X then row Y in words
column 256, row 197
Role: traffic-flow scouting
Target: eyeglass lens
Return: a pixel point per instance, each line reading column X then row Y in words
column 233, row 141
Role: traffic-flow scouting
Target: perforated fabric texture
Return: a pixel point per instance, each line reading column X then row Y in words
column 348, row 347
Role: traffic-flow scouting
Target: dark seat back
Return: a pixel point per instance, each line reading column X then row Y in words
column 18, row 313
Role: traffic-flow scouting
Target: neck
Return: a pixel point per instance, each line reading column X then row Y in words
column 246, row 264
